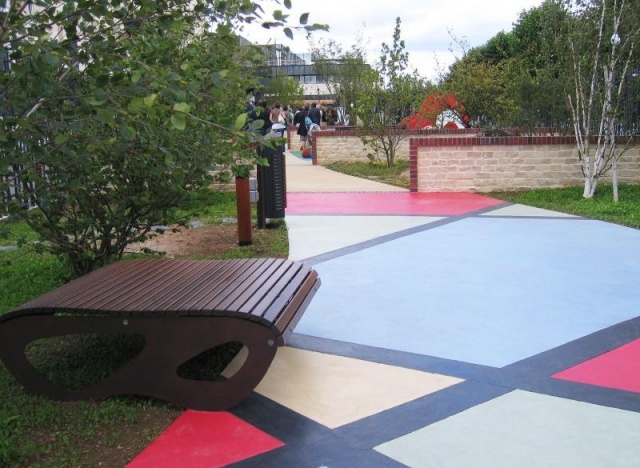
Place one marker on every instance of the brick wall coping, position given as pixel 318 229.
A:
pixel 494 141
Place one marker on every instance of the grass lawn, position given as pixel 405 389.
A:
pixel 35 431
pixel 569 200
pixel 377 171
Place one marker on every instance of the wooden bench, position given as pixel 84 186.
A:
pixel 181 308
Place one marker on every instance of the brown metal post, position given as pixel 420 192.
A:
pixel 243 206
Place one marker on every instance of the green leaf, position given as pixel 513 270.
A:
pixel 135 104
pixel 256 124
pixel 61 139
pixel 128 132
pixel 317 27
pixel 181 107
pixel 304 18
pixel 287 4
pixel 241 120
pixel 179 121
pixel 288 33
pixel 150 100
pixel 135 76
pixel 51 59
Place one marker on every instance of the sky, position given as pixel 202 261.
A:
pixel 427 26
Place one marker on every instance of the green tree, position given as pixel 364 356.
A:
pixel 483 88
pixel 114 110
pixel 538 81
pixel 392 94
pixel 342 71
pixel 283 89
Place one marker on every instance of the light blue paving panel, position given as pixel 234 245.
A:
pixel 525 429
pixel 485 291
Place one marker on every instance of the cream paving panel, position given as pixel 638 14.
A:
pixel 320 179
pixel 524 429
pixel 335 391
pixel 315 235
pixel 524 210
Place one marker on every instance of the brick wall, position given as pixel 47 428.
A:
pixel 466 164
pixel 344 144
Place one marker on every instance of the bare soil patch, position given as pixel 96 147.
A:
pixel 206 241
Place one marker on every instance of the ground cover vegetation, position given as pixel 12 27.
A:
pixel 374 170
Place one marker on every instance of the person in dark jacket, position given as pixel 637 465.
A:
pixel 315 114
pixel 265 117
pixel 298 120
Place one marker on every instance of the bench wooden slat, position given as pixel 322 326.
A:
pixel 125 281
pixel 275 312
pixel 188 286
pixel 261 297
pixel 133 290
pixel 233 286
pixel 193 305
pixel 92 283
pixel 257 285
pixel 290 316
pixel 273 298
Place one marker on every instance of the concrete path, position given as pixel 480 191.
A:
pixel 450 330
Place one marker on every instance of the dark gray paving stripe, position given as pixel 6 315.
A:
pixel 327 256
pixel 420 362
pixel 550 218
pixel 380 240
pixel 307 443
pixel 416 414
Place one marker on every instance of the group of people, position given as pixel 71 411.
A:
pixel 303 118
pixel 277 114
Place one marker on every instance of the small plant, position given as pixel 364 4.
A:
pixel 11 450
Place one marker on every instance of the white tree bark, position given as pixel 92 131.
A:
pixel 599 153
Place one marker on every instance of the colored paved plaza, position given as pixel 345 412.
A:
pixel 451 330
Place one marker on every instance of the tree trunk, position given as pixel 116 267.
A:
pixel 614 182
pixel 590 184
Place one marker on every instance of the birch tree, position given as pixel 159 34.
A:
pixel 602 42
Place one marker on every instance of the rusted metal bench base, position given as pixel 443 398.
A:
pixel 171 339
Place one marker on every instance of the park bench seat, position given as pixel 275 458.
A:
pixel 182 308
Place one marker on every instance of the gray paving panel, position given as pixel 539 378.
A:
pixel 527 211
pixel 524 429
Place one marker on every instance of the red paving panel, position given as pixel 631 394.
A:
pixel 394 203
pixel 202 439
pixel 619 368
